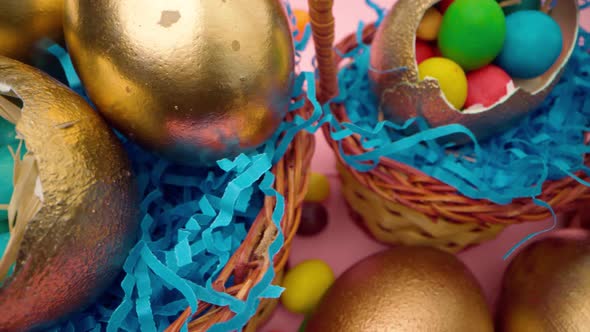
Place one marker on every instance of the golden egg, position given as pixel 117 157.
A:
pixel 402 96
pixel 547 286
pixel 195 81
pixel 24 22
pixel 404 289
pixel 75 203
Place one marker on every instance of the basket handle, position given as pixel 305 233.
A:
pixel 322 26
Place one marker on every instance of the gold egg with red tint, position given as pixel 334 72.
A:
pixel 194 81
pixel 402 96
pixel 74 209
pixel 25 22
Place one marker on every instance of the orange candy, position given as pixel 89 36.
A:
pixel 302 18
pixel 430 24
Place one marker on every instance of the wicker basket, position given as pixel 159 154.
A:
pixel 400 204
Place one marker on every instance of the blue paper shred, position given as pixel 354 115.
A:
pixel 193 220
pixel 546 145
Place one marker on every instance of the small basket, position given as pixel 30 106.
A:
pixel 400 204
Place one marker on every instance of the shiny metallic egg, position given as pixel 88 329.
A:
pixel 25 22
pixel 402 96
pixel 77 214
pixel 194 81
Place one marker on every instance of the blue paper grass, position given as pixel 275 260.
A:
pixel 193 220
pixel 546 145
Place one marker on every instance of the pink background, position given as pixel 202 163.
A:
pixel 343 243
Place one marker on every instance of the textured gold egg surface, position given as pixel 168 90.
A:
pixel 193 80
pixel 74 247
pixel 547 288
pixel 403 97
pixel 24 22
pixel 404 289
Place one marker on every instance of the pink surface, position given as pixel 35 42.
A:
pixel 343 243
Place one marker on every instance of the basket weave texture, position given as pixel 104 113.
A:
pixel 400 204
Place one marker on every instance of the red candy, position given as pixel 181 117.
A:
pixel 486 86
pixel 443 5
pixel 424 51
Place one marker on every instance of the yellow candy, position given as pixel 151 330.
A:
pixel 430 24
pixel 319 188
pixel 305 284
pixel 450 76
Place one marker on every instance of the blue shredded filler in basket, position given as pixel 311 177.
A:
pixel 547 145
pixel 193 221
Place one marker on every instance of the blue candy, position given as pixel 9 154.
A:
pixel 533 43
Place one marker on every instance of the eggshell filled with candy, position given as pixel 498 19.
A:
pixel 402 95
pixel 533 43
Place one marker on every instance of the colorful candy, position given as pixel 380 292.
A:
pixel 424 51
pixel 305 284
pixel 486 86
pixel 450 76
pixel 523 5
pixel 533 43
pixel 302 19
pixel 319 188
pixel 472 32
pixel 314 219
pixel 430 25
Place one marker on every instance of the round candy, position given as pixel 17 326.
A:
pixel 424 51
pixel 486 86
pixel 450 76
pixel 444 5
pixel 533 43
pixel 472 32
pixel 430 24
pixel 319 188
pixel 314 219
pixel 302 19
pixel 524 5
pixel 305 284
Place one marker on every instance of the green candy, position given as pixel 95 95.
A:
pixel 472 32
pixel 7 138
pixel 524 5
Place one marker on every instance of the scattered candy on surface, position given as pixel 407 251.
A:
pixel 314 219
pixel 444 5
pixel 305 284
pixel 486 86
pixel 424 51
pixel 524 5
pixel 430 25
pixel 319 188
pixel 450 76
pixel 472 32
pixel 527 53
pixel 302 19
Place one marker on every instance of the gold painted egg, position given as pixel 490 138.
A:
pixel 24 22
pixel 404 289
pixel 74 207
pixel 195 81
pixel 402 96
pixel 547 286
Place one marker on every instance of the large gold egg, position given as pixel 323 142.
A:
pixel 402 96
pixel 404 289
pixel 24 22
pixel 82 202
pixel 547 287
pixel 192 80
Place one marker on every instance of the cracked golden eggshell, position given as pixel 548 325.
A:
pixel 402 96
pixel 76 244
pixel 404 289
pixel 547 286
pixel 195 81
pixel 24 22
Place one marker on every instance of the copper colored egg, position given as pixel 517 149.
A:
pixel 404 289
pixel 547 286
pixel 195 81
pixel 80 197
pixel 24 22
pixel 402 96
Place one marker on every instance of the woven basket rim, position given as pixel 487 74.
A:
pixel 400 183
